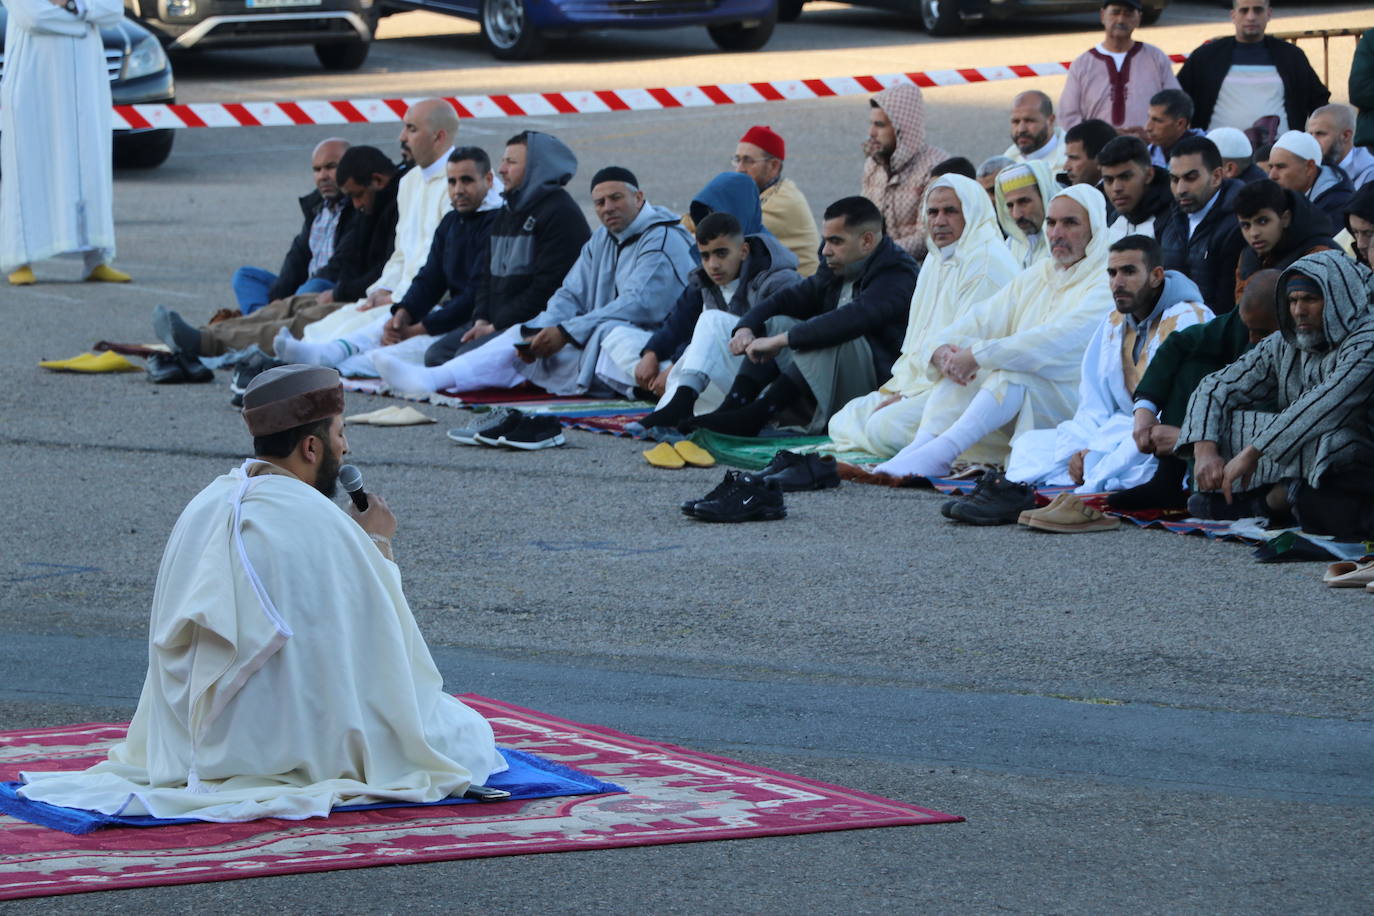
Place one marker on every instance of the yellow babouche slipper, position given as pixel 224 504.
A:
pixel 694 454
pixel 91 362
pixel 104 273
pixel 664 455
pixel 22 276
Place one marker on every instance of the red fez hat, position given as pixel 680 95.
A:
pixel 765 139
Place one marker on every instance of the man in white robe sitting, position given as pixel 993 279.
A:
pixel 965 263
pixel 1012 362
pixel 286 675
pixel 1095 450
pixel 628 276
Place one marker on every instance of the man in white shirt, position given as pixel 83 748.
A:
pixel 1115 80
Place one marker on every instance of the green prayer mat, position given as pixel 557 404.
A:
pixel 753 452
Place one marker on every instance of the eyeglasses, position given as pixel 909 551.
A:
pixel 749 161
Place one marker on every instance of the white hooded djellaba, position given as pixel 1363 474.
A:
pixel 286 674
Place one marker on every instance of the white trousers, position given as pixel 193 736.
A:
pixel 861 427
pixel 620 349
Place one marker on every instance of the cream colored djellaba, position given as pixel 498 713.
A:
pixel 952 280
pixel 56 133
pixel 286 674
pixel 1033 333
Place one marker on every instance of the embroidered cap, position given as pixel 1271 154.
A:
pixel 1015 177
pixel 289 396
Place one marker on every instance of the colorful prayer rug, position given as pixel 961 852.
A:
pixel 675 796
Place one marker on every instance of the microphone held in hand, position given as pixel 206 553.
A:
pixel 351 479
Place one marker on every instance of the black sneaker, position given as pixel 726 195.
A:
pixel 491 435
pixel 245 371
pixel 1000 504
pixel 728 483
pixel 749 500
pixel 780 462
pixel 806 472
pixel 989 481
pixel 490 423
pixel 529 433
pixel 171 369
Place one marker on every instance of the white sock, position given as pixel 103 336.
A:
pixel 411 378
pixel 932 457
pixel 309 352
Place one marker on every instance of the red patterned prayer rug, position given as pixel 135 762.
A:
pixel 675 796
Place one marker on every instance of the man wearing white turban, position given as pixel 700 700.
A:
pixel 1012 362
pixel 965 263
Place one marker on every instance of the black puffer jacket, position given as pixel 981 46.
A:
pixel 1209 258
pixel 1308 231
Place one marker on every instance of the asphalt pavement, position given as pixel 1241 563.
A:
pixel 1131 721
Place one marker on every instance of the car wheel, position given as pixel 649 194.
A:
pixel 790 10
pixel 507 32
pixel 739 37
pixel 343 55
pixel 941 17
pixel 146 150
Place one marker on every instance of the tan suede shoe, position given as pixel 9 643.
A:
pixel 1072 516
pixel 1025 517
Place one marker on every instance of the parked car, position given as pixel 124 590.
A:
pixel 139 73
pixel 949 17
pixel 519 29
pixel 340 30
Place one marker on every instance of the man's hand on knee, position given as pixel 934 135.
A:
pixel 741 341
pixel 479 328
pixel 646 369
pixel 1207 465
pixel 548 342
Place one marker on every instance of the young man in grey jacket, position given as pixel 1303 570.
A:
pixel 628 274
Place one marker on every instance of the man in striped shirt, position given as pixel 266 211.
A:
pixel 1308 460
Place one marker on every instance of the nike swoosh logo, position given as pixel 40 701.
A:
pixel 748 500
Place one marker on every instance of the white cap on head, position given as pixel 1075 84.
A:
pixel 1231 142
pixel 1300 144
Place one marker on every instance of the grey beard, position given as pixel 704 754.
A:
pixel 1310 340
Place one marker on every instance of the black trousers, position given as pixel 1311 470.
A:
pixel 1342 507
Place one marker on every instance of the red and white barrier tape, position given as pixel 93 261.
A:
pixel 533 104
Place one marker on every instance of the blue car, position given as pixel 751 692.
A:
pixel 518 29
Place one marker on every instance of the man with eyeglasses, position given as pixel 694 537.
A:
pixel 760 154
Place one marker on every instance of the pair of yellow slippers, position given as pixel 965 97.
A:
pixel 101 273
pixel 676 455
pixel 91 362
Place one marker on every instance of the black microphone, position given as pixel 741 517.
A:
pixel 352 481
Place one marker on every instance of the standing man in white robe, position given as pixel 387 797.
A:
pixel 1095 450
pixel 1012 362
pixel 965 263
pixel 56 137
pixel 286 675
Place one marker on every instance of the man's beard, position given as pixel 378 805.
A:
pixel 1312 341
pixel 327 479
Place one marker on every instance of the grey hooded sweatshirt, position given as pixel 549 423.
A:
pixel 536 238
pixel 1325 395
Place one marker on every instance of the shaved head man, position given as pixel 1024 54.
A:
pixel 428 131
pixel 1334 128
pixel 306 267
pixel 1035 134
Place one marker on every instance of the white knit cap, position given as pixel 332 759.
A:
pixel 1302 145
pixel 1231 142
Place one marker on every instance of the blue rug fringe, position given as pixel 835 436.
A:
pixel 521 780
